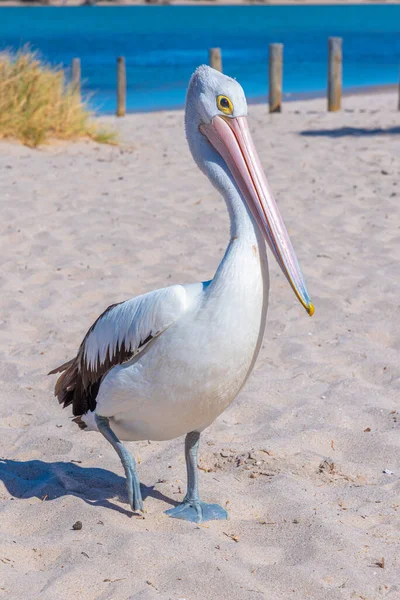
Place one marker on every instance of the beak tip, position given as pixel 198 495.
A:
pixel 310 309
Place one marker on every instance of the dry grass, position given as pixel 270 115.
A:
pixel 36 105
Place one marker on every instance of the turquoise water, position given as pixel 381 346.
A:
pixel 164 44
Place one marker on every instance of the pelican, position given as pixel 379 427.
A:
pixel 169 362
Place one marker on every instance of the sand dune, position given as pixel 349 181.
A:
pixel 298 459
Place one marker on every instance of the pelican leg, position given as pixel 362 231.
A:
pixel 128 462
pixel 192 508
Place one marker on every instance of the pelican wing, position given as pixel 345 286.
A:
pixel 121 332
pixel 125 328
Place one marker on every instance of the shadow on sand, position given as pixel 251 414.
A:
pixel 35 478
pixel 350 131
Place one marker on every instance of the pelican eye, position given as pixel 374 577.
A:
pixel 224 105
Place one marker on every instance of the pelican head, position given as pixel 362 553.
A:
pixel 221 144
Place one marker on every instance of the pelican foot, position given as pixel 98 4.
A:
pixel 198 512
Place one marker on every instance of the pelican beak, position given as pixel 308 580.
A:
pixel 232 140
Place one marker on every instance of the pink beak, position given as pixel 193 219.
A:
pixel 232 140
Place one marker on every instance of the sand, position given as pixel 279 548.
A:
pixel 299 458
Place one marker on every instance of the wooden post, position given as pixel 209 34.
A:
pixel 121 86
pixel 334 73
pixel 215 58
pixel 275 77
pixel 76 74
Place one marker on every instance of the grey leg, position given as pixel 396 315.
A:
pixel 192 508
pixel 128 462
pixel 191 452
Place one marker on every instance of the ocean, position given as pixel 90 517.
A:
pixel 164 44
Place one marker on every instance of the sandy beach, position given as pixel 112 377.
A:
pixel 306 460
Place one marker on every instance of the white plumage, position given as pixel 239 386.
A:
pixel 191 372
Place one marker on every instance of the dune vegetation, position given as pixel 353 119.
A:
pixel 37 104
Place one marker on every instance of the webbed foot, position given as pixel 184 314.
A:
pixel 197 512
